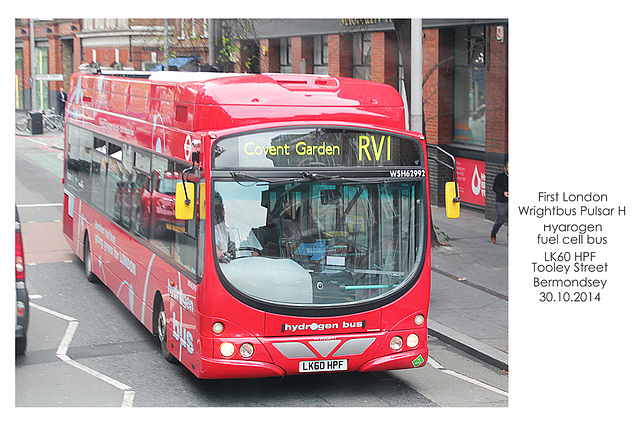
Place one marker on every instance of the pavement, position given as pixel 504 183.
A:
pixel 469 280
pixel 469 286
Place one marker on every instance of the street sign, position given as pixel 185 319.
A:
pixel 500 33
pixel 49 77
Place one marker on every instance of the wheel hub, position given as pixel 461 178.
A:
pixel 162 326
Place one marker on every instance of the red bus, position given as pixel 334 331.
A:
pixel 258 225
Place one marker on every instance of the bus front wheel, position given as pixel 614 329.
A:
pixel 161 330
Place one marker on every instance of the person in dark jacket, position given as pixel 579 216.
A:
pixel 62 101
pixel 501 188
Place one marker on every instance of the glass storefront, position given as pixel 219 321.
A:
pixel 469 87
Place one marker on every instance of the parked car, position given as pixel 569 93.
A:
pixel 22 296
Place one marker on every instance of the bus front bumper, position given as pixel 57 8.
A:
pixel 233 368
pixel 404 360
pixel 222 368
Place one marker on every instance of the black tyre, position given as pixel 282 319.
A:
pixel 88 264
pixel 21 345
pixel 161 332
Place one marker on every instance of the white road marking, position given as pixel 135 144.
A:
pixel 37 141
pixel 439 367
pixel 63 347
pixel 41 205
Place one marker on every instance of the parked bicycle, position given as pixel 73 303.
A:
pixel 24 124
pixel 51 121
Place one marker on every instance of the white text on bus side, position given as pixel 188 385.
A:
pixel 182 335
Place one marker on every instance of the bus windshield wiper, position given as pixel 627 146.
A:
pixel 238 176
pixel 304 176
pixel 311 176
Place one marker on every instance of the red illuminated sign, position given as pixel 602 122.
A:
pixel 471 179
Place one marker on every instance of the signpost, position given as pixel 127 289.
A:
pixel 48 77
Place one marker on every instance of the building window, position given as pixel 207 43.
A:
pixel 321 54
pixel 151 64
pixel 285 55
pixel 193 28
pixel 469 87
pixel 362 56
pixel 183 29
pixel 19 80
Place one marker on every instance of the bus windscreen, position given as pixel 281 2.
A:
pixel 319 242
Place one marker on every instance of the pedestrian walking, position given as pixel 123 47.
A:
pixel 62 101
pixel 501 188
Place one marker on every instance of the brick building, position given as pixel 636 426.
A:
pixel 53 53
pixel 63 45
pixel 465 71
pixel 465 91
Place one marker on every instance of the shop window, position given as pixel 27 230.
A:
pixel 469 87
pixel 362 56
pixel 285 55
pixel 321 54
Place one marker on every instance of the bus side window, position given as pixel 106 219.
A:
pixel 140 195
pixel 98 176
pixel 84 170
pixel 125 188
pixel 117 182
pixel 73 159
pixel 176 238
pixel 78 160
pixel 161 204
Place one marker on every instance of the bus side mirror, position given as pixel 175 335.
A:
pixel 452 203
pixel 185 193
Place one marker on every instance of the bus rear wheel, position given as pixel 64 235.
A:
pixel 88 265
pixel 161 331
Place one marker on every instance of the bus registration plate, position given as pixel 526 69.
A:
pixel 323 365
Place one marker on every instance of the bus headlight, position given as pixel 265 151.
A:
pixel 217 327
pixel 418 320
pixel 246 350
pixel 227 349
pixel 413 340
pixel 396 343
